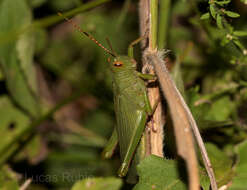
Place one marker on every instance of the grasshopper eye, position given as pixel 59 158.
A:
pixel 118 63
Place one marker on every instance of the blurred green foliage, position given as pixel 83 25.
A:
pixel 56 103
pixel 162 174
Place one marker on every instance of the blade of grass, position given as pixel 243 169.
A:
pixel 164 13
pixel 153 24
pixel 48 21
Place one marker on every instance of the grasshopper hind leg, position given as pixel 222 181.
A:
pixel 140 125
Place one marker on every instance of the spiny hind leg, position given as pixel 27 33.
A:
pixel 151 110
pixel 135 139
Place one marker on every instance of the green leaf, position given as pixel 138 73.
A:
pixel 210 115
pixel 231 14
pixel 239 180
pixel 177 77
pixel 158 173
pixel 41 40
pixel 222 3
pixel 205 16
pixel 238 44
pixel 224 41
pixel 244 1
pixel 75 163
pixel 240 33
pixel 34 151
pixel 16 56
pixel 13 122
pixel 212 10
pixel 25 52
pixel 1 74
pixel 10 185
pixel 204 179
pixel 36 3
pixel 221 164
pixel 63 4
pixel 221 109
pixel 8 179
pixel 110 183
pixel 219 21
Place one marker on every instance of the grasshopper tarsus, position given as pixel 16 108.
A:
pixel 123 170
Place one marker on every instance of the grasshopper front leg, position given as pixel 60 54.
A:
pixel 130 49
pixel 146 76
pixel 149 109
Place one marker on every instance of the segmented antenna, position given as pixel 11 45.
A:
pixel 78 28
pixel 110 45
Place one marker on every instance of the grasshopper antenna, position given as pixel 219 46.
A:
pixel 110 45
pixel 78 28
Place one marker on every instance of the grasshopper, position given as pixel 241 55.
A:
pixel 131 103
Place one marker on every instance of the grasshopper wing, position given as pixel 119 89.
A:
pixel 131 119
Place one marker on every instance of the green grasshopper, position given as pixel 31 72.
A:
pixel 131 103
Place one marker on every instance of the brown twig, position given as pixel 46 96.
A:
pixel 181 123
pixel 154 129
pixel 154 62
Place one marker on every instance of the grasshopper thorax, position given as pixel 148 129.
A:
pixel 121 63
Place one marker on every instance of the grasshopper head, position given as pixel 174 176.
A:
pixel 122 63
